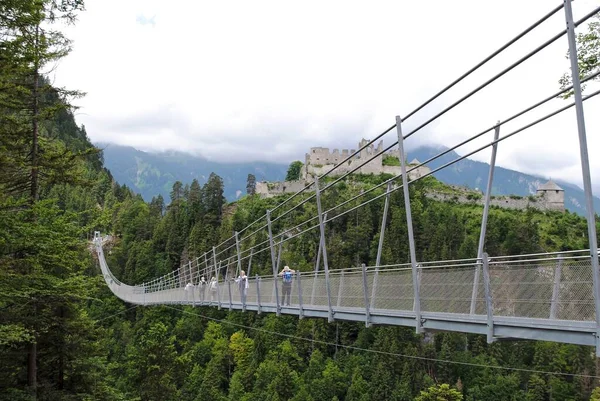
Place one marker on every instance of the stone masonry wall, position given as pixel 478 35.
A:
pixel 270 189
pixel 536 202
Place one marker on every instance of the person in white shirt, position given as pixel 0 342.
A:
pixel 242 282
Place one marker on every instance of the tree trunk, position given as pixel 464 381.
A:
pixel 61 357
pixel 34 196
pixel 35 131
pixel 32 370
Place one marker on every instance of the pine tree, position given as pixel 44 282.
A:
pixel 251 185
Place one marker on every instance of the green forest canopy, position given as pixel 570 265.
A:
pixel 64 336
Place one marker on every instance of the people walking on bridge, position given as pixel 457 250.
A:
pixel 202 289
pixel 213 288
pixel 189 291
pixel 287 275
pixel 242 282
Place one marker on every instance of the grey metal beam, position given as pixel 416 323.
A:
pixel 484 218
pixel 317 265
pixel 556 287
pixel 411 238
pixel 273 261
pixel 340 290
pixel 366 293
pixel 383 224
pixel 298 280
pixel 250 262
pixel 229 287
pixel 279 249
pixel 239 254
pixel 585 164
pixel 257 294
pixel 217 268
pixel 374 289
pixel 488 298
pixel 323 248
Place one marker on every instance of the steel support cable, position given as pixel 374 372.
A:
pixel 519 114
pixel 338 179
pixel 456 81
pixel 458 159
pixel 226 249
pixel 508 135
pixel 354 348
pixel 253 233
pixel 583 251
pixel 503 72
pixel 456 103
pixel 506 70
pixel 369 143
pixel 223 242
pixel 484 61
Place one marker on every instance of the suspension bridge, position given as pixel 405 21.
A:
pixel 546 296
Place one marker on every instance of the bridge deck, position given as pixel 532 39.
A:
pixel 536 299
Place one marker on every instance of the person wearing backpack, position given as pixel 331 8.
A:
pixel 287 275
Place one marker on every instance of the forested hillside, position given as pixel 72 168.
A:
pixel 232 355
pixel 64 336
pixel 151 174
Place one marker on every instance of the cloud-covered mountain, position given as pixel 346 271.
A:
pixel 150 174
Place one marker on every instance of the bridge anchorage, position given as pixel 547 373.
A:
pixel 545 296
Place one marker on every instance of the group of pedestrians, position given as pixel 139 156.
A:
pixel 287 276
pixel 202 286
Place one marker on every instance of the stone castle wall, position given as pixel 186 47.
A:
pixel 270 189
pixel 320 161
pixel 539 201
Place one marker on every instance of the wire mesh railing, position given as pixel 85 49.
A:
pixel 556 286
pixel 560 287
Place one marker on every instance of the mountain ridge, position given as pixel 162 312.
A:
pixel 473 174
pixel 151 174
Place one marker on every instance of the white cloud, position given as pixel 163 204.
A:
pixel 266 80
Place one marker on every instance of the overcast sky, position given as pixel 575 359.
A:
pixel 266 80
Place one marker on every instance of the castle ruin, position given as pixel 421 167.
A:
pixel 319 161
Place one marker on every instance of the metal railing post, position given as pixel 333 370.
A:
pixel 258 294
pixel 242 284
pixel 207 268
pixel 239 253
pixel 585 165
pixel 314 286
pixel 383 224
pixel 250 262
pixel 228 280
pixel 300 306
pixel 488 298
pixel 411 238
pixel 217 268
pixel 323 249
pixel 366 293
pixel 484 219
pixel 279 249
pixel 340 289
pixel 374 289
pixel 556 287
pixel 273 262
